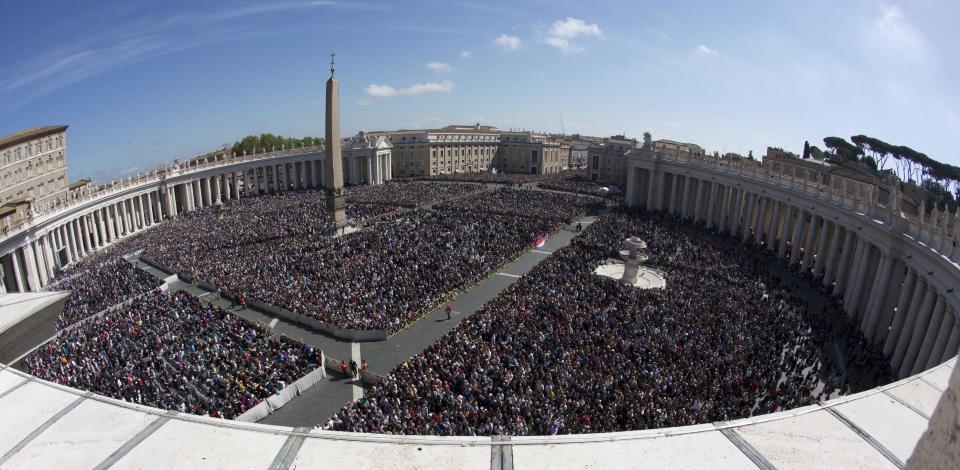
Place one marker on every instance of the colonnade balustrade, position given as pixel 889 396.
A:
pixel 894 270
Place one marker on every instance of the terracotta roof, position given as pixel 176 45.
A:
pixel 29 134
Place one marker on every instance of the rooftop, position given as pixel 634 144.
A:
pixel 29 134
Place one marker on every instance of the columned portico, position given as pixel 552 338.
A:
pixel 890 286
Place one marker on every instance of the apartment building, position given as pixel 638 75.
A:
pixel 33 166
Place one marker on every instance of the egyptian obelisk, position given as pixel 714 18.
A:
pixel 333 185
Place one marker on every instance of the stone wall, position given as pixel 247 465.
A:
pixel 940 445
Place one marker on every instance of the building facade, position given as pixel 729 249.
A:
pixel 33 166
pixel 530 152
pixel 606 160
pixel 469 149
pixel 452 149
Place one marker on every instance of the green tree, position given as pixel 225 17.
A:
pixel 842 148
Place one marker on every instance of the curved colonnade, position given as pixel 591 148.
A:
pixel 881 261
pixel 32 254
pixel 896 273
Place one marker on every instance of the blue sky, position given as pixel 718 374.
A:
pixel 148 81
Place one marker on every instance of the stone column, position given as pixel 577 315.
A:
pixel 118 218
pixel 795 240
pixel 808 241
pixel 674 185
pixel 850 286
pixel 685 197
pixel 876 298
pixel 725 208
pixel 46 249
pixel 42 268
pixel 73 234
pixel 953 344
pixel 698 203
pixel 150 209
pixel 217 191
pixel 846 259
pixel 739 211
pixel 197 195
pixel 940 344
pixel 85 229
pixel 906 333
pixel 68 242
pixel 749 212
pixel 712 198
pixel 929 336
pixel 102 225
pixel 78 238
pixel 235 185
pixel 33 279
pixel 763 222
pixel 18 272
pixel 785 223
pixel 205 191
pixel 919 330
pixel 821 254
pixel 127 217
pixel 140 212
pixel 138 223
pixel 49 253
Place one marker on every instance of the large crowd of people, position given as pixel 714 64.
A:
pixel 527 203
pixel 279 250
pixel 496 178
pixel 169 351
pixel 560 351
pixel 566 351
pixel 408 193
pixel 98 285
pixel 578 184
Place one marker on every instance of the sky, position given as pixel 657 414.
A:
pixel 146 82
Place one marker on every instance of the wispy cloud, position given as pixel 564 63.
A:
pixel 440 67
pixel 562 32
pixel 386 91
pixel 703 50
pixel 466 54
pixel 48 71
pixel 508 42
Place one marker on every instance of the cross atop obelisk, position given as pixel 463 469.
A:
pixel 333 183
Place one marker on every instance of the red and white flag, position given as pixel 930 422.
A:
pixel 541 240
